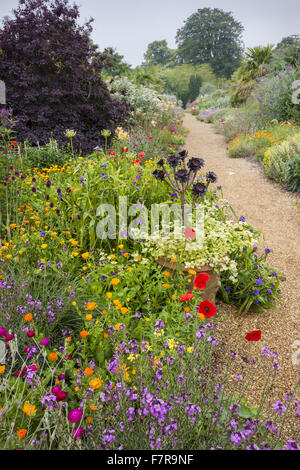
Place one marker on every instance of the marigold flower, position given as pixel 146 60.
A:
pixel 2 369
pixel 89 317
pixel 109 295
pixel 95 383
pixel 115 281
pixel 85 255
pixel 105 335
pixel 166 286
pixel 93 407
pixel 124 310
pixel 91 306
pixel 89 371
pixel 21 433
pixel 29 409
pixel 53 356
pixel 28 317
pixel 84 334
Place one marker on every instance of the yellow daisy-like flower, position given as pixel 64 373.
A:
pixel 109 295
pixel 44 246
pixel 124 310
pixel 85 255
pixel 2 369
pixel 89 317
pixel 115 281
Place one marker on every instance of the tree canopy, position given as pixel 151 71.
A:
pixel 211 36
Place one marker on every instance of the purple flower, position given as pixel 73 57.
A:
pixel 279 407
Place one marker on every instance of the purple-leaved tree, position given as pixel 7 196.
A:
pixel 52 69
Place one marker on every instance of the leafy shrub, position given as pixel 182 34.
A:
pixel 276 158
pixel 256 286
pixel 46 156
pixel 55 84
pixel 292 180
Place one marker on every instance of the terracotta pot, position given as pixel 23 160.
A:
pixel 212 285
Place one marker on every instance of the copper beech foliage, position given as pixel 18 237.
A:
pixel 51 69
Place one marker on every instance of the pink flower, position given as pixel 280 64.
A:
pixel 75 415
pixel 78 433
pixel 2 331
pixel 142 155
pixel 9 337
pixel 61 395
pixel 30 333
pixel 190 233
pixel 150 137
pixel 55 389
pixel 45 341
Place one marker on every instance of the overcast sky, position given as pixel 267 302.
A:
pixel 130 25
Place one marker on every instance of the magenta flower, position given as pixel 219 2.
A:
pixel 45 341
pixel 75 415
pixel 2 331
pixel 78 433
pixel 30 333
pixel 9 337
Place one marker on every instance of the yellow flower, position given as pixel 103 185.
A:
pixel 112 256
pixel 93 407
pixel 29 409
pixel 115 281
pixel 28 317
pixel 44 245
pixel 192 272
pixel 124 310
pixel 84 334
pixel 109 295
pixel 2 369
pixel 166 286
pixel 91 306
pixel 89 317
pixel 74 303
pixel 95 383
pixel 85 255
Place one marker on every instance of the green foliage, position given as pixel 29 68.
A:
pixel 158 53
pixel 255 65
pixel 211 36
pixel 194 86
pixel 257 285
pixel 178 79
pixel 292 180
pixel 114 64
pixel 44 157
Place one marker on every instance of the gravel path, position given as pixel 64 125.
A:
pixel 272 210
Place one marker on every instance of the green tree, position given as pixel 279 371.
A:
pixel 211 36
pixel 194 87
pixel 114 63
pixel 158 53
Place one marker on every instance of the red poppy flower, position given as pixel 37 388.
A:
pixel 14 143
pixel 207 309
pixel 137 161
pixel 201 280
pixel 253 336
pixel 142 155
pixel 124 149
pixel 111 153
pixel 187 296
